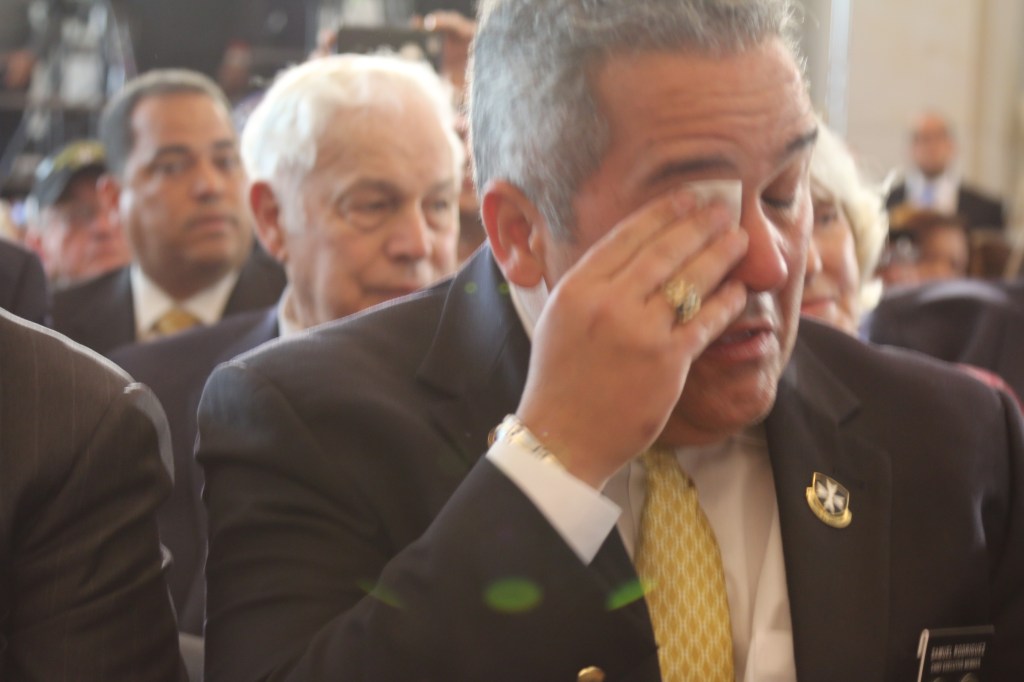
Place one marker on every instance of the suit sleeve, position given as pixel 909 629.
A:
pixel 89 592
pixel 29 296
pixel 318 568
pixel 1008 553
pixel 34 301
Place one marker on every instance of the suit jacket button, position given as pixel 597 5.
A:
pixel 591 674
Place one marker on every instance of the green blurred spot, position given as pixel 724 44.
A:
pixel 625 595
pixel 471 287
pixel 379 593
pixel 504 289
pixel 513 595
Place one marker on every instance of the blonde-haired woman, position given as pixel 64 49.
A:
pixel 850 228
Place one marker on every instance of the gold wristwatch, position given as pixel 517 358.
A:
pixel 512 430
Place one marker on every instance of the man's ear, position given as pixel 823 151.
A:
pixel 516 231
pixel 267 211
pixel 108 192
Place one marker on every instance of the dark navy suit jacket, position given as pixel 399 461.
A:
pixel 977 210
pixel 176 369
pixel 23 288
pixel 356 533
pixel 100 313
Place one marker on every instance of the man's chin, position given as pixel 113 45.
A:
pixel 214 265
pixel 709 413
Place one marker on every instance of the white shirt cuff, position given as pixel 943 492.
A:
pixel 581 515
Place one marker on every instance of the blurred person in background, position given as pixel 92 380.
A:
pixel 847 239
pixel 842 289
pixel 176 187
pixel 9 228
pixel 18 55
pixel 924 245
pixel 356 214
pixel 213 38
pixel 934 181
pixel 74 238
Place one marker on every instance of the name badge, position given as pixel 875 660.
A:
pixel 954 654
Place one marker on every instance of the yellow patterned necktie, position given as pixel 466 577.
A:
pixel 680 565
pixel 173 321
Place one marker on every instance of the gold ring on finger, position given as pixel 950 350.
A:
pixel 683 298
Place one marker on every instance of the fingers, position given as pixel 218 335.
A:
pixel 451 23
pixel 669 238
pixel 616 249
pixel 701 250
pixel 718 311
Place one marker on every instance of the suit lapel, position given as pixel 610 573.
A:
pixel 478 359
pixel 265 329
pixel 838 579
pixel 477 368
pixel 260 283
pixel 118 326
pixel 101 314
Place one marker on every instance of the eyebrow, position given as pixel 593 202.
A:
pixel 219 145
pixel 690 167
pixel 390 187
pixel 172 149
pixel 705 164
pixel 801 142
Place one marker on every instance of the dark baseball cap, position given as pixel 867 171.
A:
pixel 55 172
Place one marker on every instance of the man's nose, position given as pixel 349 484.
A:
pixel 209 179
pixel 764 267
pixel 411 238
pixel 814 265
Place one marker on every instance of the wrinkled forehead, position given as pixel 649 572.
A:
pixel 733 112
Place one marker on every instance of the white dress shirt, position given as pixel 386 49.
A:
pixel 151 302
pixel 287 325
pixel 939 193
pixel 737 493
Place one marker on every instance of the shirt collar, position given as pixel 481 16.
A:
pixel 287 325
pixel 529 304
pixel 151 302
pixel 943 189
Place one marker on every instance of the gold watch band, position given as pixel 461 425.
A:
pixel 513 430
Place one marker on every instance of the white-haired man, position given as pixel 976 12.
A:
pixel 359 530
pixel 355 213
pixel 355 167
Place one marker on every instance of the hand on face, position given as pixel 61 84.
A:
pixel 610 311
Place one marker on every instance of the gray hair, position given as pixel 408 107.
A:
pixel 115 130
pixel 835 177
pixel 281 139
pixel 535 121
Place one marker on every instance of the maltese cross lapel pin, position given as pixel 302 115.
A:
pixel 829 501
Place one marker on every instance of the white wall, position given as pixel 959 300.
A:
pixel 959 57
